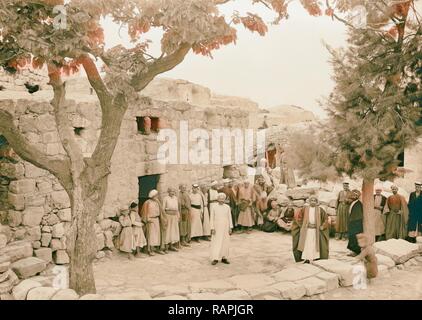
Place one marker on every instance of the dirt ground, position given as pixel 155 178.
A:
pixel 257 252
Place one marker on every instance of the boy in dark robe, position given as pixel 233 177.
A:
pixel 355 225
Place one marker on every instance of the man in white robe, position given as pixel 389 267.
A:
pixel 196 213
pixel 171 209
pixel 221 229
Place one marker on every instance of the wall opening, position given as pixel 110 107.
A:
pixel 146 125
pixel 146 184
pixel 78 130
pixel 400 158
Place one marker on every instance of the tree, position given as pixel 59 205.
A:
pixel 373 109
pixel 32 32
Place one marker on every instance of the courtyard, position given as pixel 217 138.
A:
pixel 255 258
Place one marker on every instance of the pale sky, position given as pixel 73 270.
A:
pixel 287 66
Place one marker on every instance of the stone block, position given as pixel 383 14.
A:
pixel 174 297
pixel 92 296
pixel 16 200
pixel 34 200
pixel 22 186
pixel 28 267
pixel 36 244
pixel 32 171
pixel 52 219
pixel 4 266
pixel 44 187
pixel 65 215
pixel 313 286
pixel 300 193
pixel 203 296
pixel 21 290
pixel 309 268
pixel 264 293
pixel 138 294
pixel 52 149
pixel 290 290
pixel 235 295
pixel 33 233
pixel 3 240
pixel 41 293
pixel 14 218
pixel 386 261
pixel 211 286
pixel 250 281
pixel 343 269
pixel 17 250
pixel 58 230
pixel 45 254
pixel 168 290
pixel 45 239
pixel 32 216
pixel 61 257
pixel 398 249
pixel 60 199
pixel 331 279
pixel 291 274
pixel 65 294
pixel 57 244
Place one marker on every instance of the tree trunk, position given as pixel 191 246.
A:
pixel 368 208
pixel 82 245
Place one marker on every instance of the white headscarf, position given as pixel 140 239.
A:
pixel 152 193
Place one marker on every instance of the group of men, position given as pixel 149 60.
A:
pixel 176 220
pixel 394 217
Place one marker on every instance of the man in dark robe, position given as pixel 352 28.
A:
pixel 313 239
pixel 415 212
pixel 355 225
pixel 342 205
pixel 397 216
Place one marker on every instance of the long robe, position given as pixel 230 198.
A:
pixel 126 240
pixel 321 230
pixel 184 209
pixel 206 220
pixel 246 197
pixel 355 225
pixel 270 220
pixel 171 208
pixel 379 202
pixel 343 205
pixel 396 218
pixel 295 232
pixel 196 212
pixel 221 223
pixel 415 214
pixel 155 222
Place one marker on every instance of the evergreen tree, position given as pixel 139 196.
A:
pixel 375 106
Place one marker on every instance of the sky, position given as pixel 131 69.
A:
pixel 287 66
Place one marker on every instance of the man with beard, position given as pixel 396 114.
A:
pixel 342 205
pixel 314 232
pixel 379 206
pixel 246 197
pixel 171 208
pixel 184 222
pixel 196 213
pixel 355 225
pixel 397 216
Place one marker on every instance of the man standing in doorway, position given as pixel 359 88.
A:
pixel 155 222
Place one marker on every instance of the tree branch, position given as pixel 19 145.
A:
pixel 63 124
pixel 60 168
pixel 141 80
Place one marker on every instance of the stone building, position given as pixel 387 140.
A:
pixel 34 206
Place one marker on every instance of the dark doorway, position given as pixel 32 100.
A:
pixel 146 184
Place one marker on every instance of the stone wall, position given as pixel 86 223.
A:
pixel 35 207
